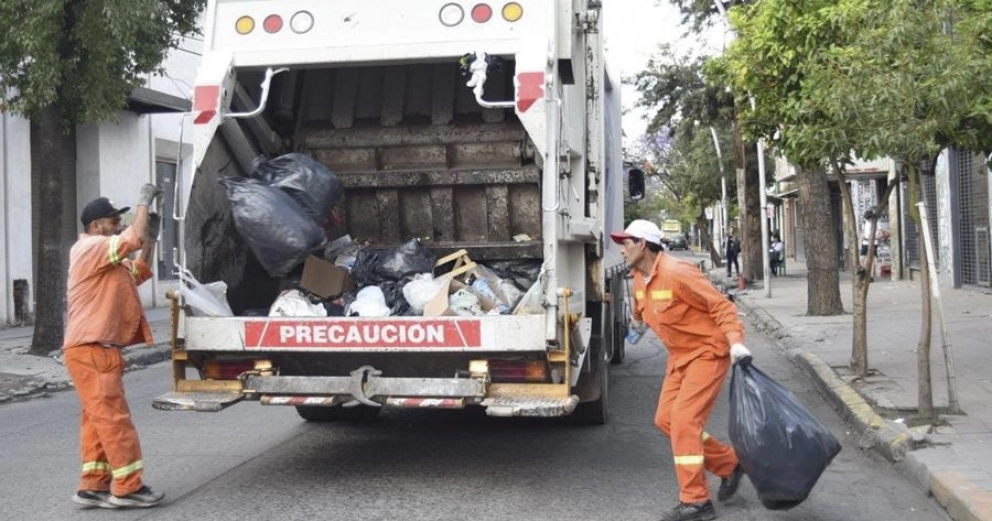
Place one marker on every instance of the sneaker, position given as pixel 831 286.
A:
pixel 93 499
pixel 703 511
pixel 728 485
pixel 141 498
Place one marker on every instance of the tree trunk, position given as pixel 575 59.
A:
pixel 704 238
pixel 823 278
pixel 859 282
pixel 924 380
pixel 750 212
pixel 53 158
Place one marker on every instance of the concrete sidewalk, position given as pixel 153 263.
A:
pixel 950 461
pixel 24 376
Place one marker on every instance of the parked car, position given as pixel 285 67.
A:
pixel 678 242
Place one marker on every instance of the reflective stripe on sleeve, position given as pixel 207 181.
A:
pixel 706 436
pixel 679 460
pixel 112 247
pixel 128 469
pixel 96 466
pixel 661 294
pixel 639 295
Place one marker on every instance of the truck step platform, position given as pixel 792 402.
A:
pixel 196 401
pixel 526 406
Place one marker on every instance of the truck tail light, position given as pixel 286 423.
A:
pixel 272 23
pixel 481 13
pixel 451 15
pixel 518 370
pixel 513 12
pixel 226 369
pixel 244 25
pixel 301 22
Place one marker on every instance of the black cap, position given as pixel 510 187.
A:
pixel 98 209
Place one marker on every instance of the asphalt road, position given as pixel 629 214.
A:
pixel 253 462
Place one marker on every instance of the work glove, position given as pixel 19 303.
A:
pixel 154 226
pixel 739 352
pixel 638 325
pixel 148 194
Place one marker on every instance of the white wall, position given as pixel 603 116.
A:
pixel 15 215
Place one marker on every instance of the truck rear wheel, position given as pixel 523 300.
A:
pixel 594 387
pixel 357 414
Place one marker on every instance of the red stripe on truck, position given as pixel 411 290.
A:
pixel 290 334
pixel 205 100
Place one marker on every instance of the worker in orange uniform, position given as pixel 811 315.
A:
pixel 106 315
pixel 702 332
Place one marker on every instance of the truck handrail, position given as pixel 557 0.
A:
pixel 478 81
pixel 263 99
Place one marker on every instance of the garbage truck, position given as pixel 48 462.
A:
pixel 485 129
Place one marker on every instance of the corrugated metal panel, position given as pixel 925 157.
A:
pixel 973 197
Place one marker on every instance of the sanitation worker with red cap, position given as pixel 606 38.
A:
pixel 106 315
pixel 703 334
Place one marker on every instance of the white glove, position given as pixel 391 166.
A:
pixel 738 352
pixel 148 194
pixel 638 325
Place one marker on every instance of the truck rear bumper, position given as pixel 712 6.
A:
pixel 366 386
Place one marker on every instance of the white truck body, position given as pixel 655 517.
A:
pixel 529 170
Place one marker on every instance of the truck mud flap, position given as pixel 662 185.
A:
pixel 526 406
pixel 200 401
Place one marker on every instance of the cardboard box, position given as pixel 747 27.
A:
pixel 324 279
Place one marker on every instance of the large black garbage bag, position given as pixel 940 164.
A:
pixel 305 179
pixel 373 267
pixel 277 230
pixel 781 445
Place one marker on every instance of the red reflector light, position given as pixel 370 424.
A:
pixel 225 369
pixel 272 23
pixel 518 370
pixel 481 13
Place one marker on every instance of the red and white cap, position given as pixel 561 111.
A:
pixel 639 229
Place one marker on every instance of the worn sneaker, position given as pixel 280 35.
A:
pixel 728 485
pixel 142 498
pixel 93 499
pixel 691 512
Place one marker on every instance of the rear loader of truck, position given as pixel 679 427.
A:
pixel 524 165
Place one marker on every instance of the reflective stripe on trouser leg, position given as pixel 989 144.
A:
pixel 695 392
pixel 107 432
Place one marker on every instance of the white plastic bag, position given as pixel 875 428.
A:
pixel 532 302
pixel 465 303
pixel 369 302
pixel 293 303
pixel 205 300
pixel 419 291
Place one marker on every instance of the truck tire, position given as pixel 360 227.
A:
pixel 357 414
pixel 594 388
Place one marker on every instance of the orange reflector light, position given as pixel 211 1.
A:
pixel 272 23
pixel 451 15
pixel 244 25
pixel 513 12
pixel 481 13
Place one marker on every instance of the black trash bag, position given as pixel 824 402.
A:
pixel 523 273
pixel 277 230
pixel 305 179
pixel 783 448
pixel 373 267
pixel 393 291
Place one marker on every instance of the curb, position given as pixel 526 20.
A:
pixel 134 358
pixel 953 490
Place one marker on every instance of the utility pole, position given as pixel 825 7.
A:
pixel 724 219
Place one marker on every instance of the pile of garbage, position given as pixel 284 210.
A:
pixel 283 210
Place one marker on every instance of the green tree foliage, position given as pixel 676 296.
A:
pixel 64 62
pixel 85 55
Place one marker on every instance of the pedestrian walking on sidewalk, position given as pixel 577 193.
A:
pixel 105 315
pixel 732 248
pixel 776 252
pixel 703 334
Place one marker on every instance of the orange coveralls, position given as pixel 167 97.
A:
pixel 105 314
pixel 697 325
